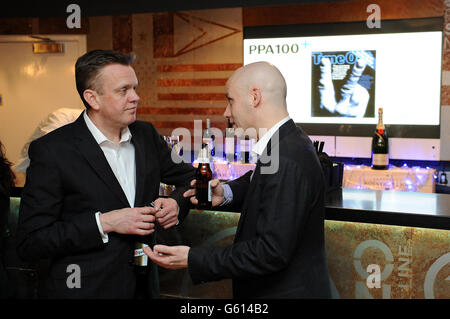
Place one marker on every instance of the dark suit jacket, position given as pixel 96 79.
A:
pixel 68 181
pixel 279 249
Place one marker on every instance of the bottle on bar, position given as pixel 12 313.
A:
pixel 380 145
pixel 245 149
pixel 208 138
pixel 203 178
pixel 230 143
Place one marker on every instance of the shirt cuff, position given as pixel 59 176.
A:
pixel 105 237
pixel 228 194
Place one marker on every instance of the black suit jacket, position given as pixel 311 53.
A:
pixel 279 249
pixel 68 181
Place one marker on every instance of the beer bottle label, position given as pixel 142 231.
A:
pixel 380 159
pixel 209 192
pixel 140 258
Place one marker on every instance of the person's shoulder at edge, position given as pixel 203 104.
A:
pixel 58 135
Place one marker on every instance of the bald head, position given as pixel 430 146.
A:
pixel 256 95
pixel 265 77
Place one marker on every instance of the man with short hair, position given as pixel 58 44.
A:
pixel 89 184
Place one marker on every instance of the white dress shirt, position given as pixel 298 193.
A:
pixel 258 148
pixel 121 159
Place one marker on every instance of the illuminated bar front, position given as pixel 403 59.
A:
pixel 406 234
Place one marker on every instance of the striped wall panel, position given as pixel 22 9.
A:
pixel 183 62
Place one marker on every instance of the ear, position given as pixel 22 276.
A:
pixel 92 98
pixel 255 95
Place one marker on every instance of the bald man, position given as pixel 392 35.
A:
pixel 279 249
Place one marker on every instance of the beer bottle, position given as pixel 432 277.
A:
pixel 203 178
pixel 208 138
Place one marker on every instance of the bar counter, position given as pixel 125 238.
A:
pixel 406 234
pixel 427 210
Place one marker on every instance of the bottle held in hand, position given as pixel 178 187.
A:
pixel 203 178
pixel 140 258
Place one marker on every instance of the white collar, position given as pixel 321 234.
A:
pixel 99 136
pixel 259 147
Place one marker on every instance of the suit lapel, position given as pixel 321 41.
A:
pixel 96 159
pixel 248 197
pixel 140 168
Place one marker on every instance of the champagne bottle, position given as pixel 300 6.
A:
pixel 203 178
pixel 380 145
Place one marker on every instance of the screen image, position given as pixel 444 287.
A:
pixel 344 79
pixel 343 84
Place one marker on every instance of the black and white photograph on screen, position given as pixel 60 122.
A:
pixel 343 84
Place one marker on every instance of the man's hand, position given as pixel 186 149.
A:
pixel 175 257
pixel 136 221
pixel 216 189
pixel 166 212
